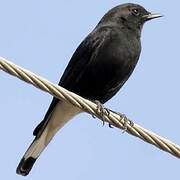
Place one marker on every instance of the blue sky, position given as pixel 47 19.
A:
pixel 42 36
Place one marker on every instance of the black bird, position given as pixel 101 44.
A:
pixel 97 70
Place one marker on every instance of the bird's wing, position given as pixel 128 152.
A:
pixel 82 57
pixel 75 69
pixel 44 122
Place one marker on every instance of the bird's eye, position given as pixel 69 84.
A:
pixel 135 12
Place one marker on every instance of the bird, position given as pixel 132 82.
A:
pixel 99 67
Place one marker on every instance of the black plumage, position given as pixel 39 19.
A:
pixel 98 69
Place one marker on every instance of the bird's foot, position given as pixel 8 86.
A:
pixel 102 111
pixel 125 122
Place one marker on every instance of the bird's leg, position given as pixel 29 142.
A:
pixel 102 110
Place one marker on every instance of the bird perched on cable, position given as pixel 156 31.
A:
pixel 97 70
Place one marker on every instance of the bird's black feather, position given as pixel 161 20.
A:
pixel 100 66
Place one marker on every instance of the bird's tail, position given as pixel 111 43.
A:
pixel 33 152
pixel 61 114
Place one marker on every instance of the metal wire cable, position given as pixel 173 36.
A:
pixel 115 119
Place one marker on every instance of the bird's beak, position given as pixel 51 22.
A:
pixel 152 16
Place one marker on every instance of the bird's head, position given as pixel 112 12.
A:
pixel 132 16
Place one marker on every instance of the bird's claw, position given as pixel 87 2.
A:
pixel 125 122
pixel 102 111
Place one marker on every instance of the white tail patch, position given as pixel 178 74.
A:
pixel 62 113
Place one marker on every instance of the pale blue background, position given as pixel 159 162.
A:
pixel 41 36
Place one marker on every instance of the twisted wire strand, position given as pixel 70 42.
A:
pixel 115 119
